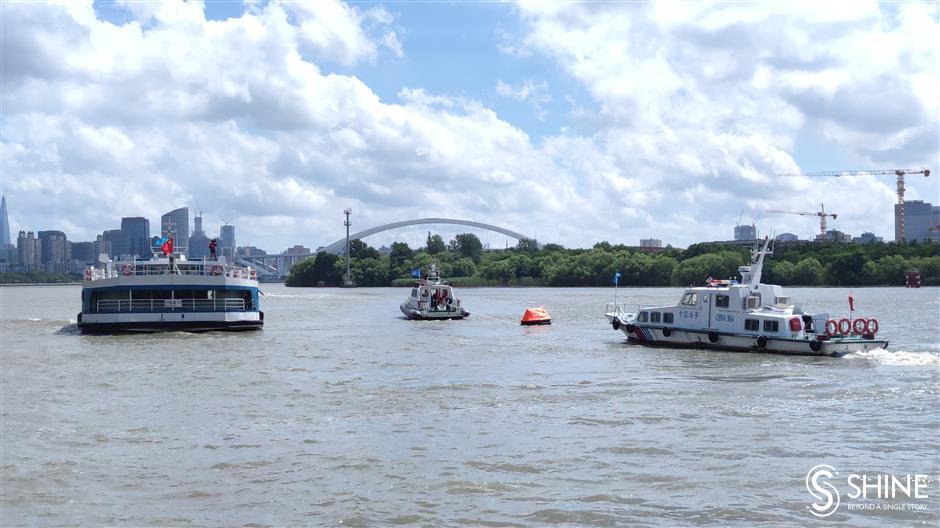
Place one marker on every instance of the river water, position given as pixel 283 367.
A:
pixel 342 412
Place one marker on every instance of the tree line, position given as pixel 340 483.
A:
pixel 463 261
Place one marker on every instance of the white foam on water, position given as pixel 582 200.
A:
pixel 898 357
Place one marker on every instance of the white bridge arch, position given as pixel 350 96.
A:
pixel 338 247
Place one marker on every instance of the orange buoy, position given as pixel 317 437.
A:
pixel 536 316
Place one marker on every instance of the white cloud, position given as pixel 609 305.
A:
pixel 696 109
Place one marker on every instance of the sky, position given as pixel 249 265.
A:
pixel 569 122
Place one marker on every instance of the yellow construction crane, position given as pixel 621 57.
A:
pixel 822 214
pixel 900 173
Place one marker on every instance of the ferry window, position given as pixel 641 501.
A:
pixel 782 300
pixel 654 317
pixel 722 301
pixel 667 317
pixel 690 299
pixel 771 326
pixel 643 317
pixel 752 324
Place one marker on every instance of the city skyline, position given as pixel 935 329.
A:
pixel 622 120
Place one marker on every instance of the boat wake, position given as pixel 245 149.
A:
pixel 899 357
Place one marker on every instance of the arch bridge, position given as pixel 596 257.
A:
pixel 338 247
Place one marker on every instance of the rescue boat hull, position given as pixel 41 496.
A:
pixel 432 315
pixel 704 339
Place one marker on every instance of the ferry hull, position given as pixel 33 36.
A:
pixel 97 324
pixel 703 339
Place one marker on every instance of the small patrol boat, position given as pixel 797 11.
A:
pixel 432 298
pixel 745 317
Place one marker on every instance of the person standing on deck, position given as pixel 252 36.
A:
pixel 212 245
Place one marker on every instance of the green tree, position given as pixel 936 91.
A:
pixel 808 272
pixel 468 245
pixel 783 272
pixel 527 244
pixel 360 250
pixel 321 270
pixel 435 244
pixel 400 254
pixel 891 269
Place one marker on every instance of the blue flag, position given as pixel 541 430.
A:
pixel 416 273
pixel 616 278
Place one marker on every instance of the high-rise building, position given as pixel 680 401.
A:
pixel 786 237
pixel 55 251
pixel 921 220
pixel 4 224
pixel 745 232
pixel 102 247
pixel 84 252
pixel 199 242
pixel 136 234
pixel 651 243
pixel 29 252
pixel 116 242
pixel 227 242
pixel 176 222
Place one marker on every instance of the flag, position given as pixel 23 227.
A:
pixel 616 278
pixel 416 273
pixel 167 246
pixel 851 302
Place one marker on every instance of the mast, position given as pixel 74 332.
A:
pixel 757 263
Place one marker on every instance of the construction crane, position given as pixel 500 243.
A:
pixel 900 173
pixel 822 214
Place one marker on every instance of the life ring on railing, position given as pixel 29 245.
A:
pixel 871 327
pixel 859 325
pixel 845 326
pixel 832 327
pixel 127 269
pixel 88 274
pixel 216 270
pixel 254 275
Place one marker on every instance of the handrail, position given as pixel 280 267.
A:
pixel 202 269
pixel 172 305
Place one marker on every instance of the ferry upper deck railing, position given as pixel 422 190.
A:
pixel 164 305
pixel 150 268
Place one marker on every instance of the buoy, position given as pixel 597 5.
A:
pixel 536 316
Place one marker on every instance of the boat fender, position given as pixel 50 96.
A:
pixel 871 327
pixel 630 328
pixel 845 326
pixel 667 332
pixel 761 341
pixel 713 336
pixel 815 345
pixel 832 327
pixel 859 325
pixel 615 323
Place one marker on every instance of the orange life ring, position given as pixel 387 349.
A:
pixel 216 270
pixel 88 274
pixel 832 328
pixel 871 327
pixel 845 326
pixel 254 274
pixel 859 325
pixel 127 269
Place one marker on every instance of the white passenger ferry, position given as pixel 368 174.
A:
pixel 431 298
pixel 169 293
pixel 745 316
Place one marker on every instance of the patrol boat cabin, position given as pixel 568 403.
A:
pixel 745 316
pixel 169 293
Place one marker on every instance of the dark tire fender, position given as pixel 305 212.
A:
pixel 762 342
pixel 667 332
pixel 815 345
pixel 713 337
pixel 615 323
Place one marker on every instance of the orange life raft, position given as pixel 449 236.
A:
pixel 536 316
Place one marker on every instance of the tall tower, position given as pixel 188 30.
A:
pixel 177 222
pixel 227 241
pixel 4 224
